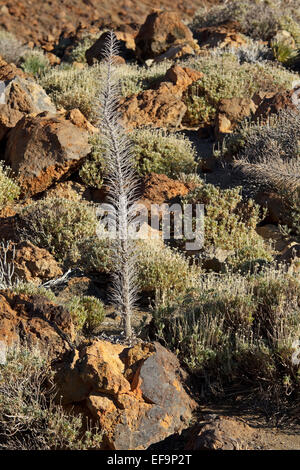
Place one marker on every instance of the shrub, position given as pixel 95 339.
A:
pixel 268 156
pixel 159 152
pixel 237 332
pixel 29 419
pixel 92 170
pixel 87 312
pixel 71 88
pixel 57 224
pixel 77 53
pixel 11 49
pixel 91 254
pixel 154 151
pixel 9 189
pixel 163 270
pixel 252 52
pixel 135 79
pixel 260 19
pixel 230 223
pixel 33 289
pixel 224 77
pixel 35 62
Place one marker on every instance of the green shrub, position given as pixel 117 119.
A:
pixel 92 170
pixel 9 189
pixel 57 224
pixel 163 270
pixel 225 77
pixel 237 332
pixel 77 54
pixel 159 152
pixel 29 418
pixel 154 151
pixel 33 289
pixel 87 312
pixel 135 78
pixel 71 88
pixel 230 223
pixel 35 62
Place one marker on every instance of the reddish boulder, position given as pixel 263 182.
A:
pixel 230 112
pixel 162 106
pixel 79 120
pixel 19 95
pixel 161 30
pixel 33 264
pixel 158 108
pixel 158 188
pixel 274 104
pixel 35 321
pixel 182 77
pixel 219 36
pixel 9 117
pixel 136 394
pixel 9 71
pixel 41 149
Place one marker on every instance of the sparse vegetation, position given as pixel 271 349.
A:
pixel 11 49
pixel 259 19
pixel 29 417
pixel 225 77
pixel 57 224
pixel 229 310
pixel 237 331
pixel 87 312
pixel 9 189
pixel 35 62
pixel 230 223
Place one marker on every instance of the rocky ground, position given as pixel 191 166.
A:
pixel 211 102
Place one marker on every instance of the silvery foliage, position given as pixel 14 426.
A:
pixel 6 267
pixel 11 49
pixel 250 53
pixel 122 182
pixel 271 154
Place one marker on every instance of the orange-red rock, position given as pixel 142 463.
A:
pixel 135 393
pixel 41 149
pixel 161 30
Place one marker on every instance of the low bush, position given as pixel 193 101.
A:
pixel 29 418
pixel 268 156
pixel 93 169
pixel 230 224
pixel 87 312
pixel 159 152
pixel 57 224
pixel 9 189
pixel 35 62
pixel 164 271
pixel 225 77
pixel 259 19
pixel 153 151
pixel 11 49
pixel 70 88
pixel 238 332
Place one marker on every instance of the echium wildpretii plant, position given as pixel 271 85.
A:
pixel 123 187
